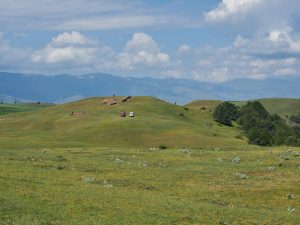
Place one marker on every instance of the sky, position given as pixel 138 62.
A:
pixel 204 40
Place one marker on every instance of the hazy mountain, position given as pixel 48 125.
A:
pixel 63 88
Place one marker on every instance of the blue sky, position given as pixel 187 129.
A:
pixel 206 40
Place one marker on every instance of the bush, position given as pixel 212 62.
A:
pixel 226 112
pixel 162 147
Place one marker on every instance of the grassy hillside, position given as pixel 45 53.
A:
pixel 208 104
pixel 281 106
pixel 21 107
pixel 94 124
pixel 93 167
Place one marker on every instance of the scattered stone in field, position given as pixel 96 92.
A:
pixel 107 184
pixel 240 176
pixel 289 154
pixel 162 164
pixel 220 159
pixel 291 209
pixel 35 158
pixel 236 160
pixel 217 149
pixel 272 168
pixel 285 156
pixel 290 196
pixel 119 161
pixel 224 223
pixel 153 149
pixel 144 164
pixel 188 152
pixel 88 179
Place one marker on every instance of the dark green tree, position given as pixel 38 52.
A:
pixel 226 112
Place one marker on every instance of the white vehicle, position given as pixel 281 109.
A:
pixel 131 114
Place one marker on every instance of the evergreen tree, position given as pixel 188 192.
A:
pixel 226 112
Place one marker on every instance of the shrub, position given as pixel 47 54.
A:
pixel 162 147
pixel 226 112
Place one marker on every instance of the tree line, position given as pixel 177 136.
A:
pixel 259 125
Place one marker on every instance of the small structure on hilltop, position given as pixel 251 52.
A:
pixel 122 114
pixel 126 99
pixel 109 101
pixel 131 114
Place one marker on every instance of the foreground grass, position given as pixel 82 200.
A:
pixel 149 186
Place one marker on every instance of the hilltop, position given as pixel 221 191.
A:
pixel 281 106
pixel 93 123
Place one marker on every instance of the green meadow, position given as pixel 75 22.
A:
pixel 8 108
pixel 167 165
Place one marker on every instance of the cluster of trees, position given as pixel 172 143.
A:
pixel 295 119
pixel 260 126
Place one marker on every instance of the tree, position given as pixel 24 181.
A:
pixel 226 112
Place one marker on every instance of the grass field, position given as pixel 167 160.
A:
pixel 21 107
pixel 143 186
pixel 97 168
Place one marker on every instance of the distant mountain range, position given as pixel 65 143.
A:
pixel 65 88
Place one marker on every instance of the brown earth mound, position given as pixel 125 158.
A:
pixel 109 101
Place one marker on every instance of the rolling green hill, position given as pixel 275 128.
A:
pixel 81 163
pixel 281 106
pixel 21 107
pixel 94 123
pixel 207 104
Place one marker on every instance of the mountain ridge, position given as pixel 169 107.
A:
pixel 65 88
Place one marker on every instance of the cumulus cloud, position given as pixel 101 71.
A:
pixel 271 55
pixel 234 9
pixel 142 50
pixel 73 48
pixel 183 49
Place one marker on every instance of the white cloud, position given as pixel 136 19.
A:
pixel 112 22
pixel 11 58
pixel 183 49
pixel 258 57
pixel 234 9
pixel 80 15
pixel 285 38
pixel 142 50
pixel 73 49
pixel 286 71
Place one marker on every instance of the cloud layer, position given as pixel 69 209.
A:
pixel 262 44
